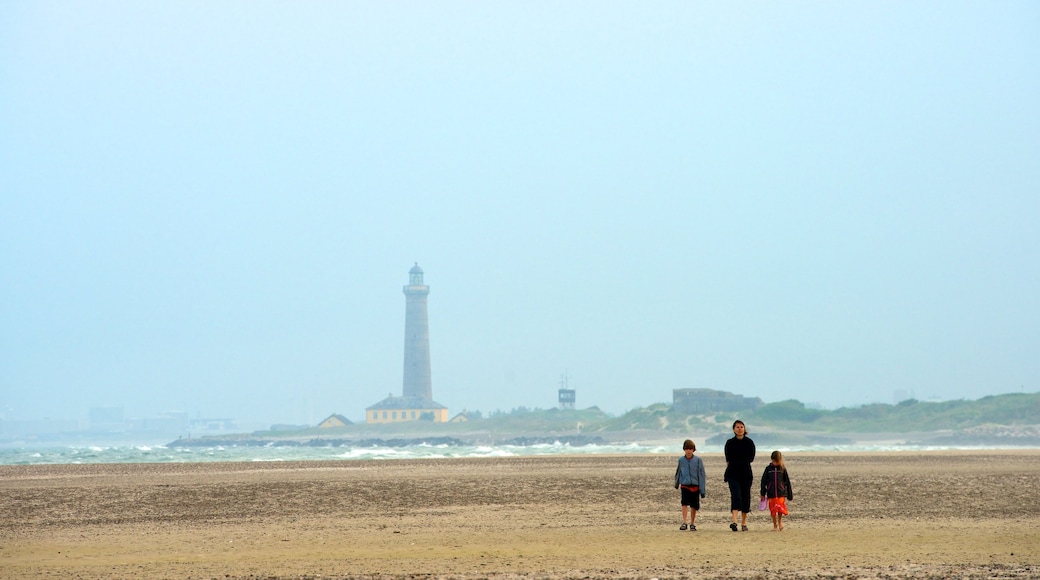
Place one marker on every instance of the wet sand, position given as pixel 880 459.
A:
pixel 860 515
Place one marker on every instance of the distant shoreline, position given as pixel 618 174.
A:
pixel 366 437
pixel 1011 437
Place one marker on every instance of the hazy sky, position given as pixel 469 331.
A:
pixel 212 207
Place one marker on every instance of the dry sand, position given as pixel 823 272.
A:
pixel 885 515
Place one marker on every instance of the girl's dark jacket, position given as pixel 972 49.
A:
pixel 775 482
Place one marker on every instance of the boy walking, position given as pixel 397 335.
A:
pixel 690 478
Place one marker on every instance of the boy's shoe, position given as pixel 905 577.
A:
pixel 682 527
pixel 733 526
pixel 693 528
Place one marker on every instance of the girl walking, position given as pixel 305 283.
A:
pixel 776 487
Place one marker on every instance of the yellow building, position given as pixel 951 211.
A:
pixel 334 420
pixel 401 409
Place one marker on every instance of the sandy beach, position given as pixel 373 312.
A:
pixel 886 515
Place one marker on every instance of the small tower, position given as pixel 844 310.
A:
pixel 567 395
pixel 417 382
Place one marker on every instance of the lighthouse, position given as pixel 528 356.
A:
pixel 416 401
pixel 417 382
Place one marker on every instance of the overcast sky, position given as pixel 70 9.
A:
pixel 212 207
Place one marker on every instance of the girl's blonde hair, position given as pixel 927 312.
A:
pixel 778 458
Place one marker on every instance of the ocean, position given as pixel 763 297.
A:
pixel 159 453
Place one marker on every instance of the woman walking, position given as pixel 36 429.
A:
pixel 740 452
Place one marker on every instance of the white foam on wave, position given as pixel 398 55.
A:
pixel 499 453
pixel 150 453
pixel 372 453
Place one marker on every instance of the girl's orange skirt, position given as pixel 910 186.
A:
pixel 777 505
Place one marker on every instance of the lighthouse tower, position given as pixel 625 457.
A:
pixel 417 381
pixel 416 402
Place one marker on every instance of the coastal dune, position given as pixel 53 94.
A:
pixel 970 514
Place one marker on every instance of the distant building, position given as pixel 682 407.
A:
pixel 460 418
pixel 102 416
pixel 400 409
pixel 567 398
pixel 39 428
pixel 417 402
pixel 566 395
pixel 334 420
pixel 107 420
pixel 174 422
pixel 703 401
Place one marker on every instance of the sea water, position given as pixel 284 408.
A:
pixel 159 453
pixel 128 453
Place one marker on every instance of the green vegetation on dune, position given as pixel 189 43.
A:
pixel 656 417
pixel 909 415
pixel 1011 410
pixel 538 420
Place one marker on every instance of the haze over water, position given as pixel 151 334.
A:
pixel 211 209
